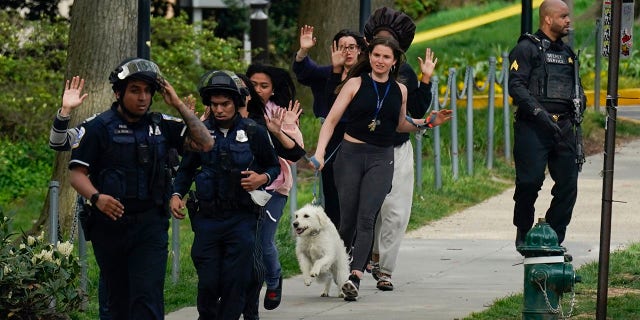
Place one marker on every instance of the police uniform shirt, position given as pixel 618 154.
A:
pixel 244 151
pixel 532 84
pixel 94 147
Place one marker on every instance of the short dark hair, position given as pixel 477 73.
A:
pixel 349 33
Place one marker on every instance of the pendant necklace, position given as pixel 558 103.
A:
pixel 374 121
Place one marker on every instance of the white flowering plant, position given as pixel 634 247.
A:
pixel 37 280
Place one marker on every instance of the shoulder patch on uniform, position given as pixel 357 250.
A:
pixel 514 65
pixel 170 118
pixel 90 118
pixel 76 143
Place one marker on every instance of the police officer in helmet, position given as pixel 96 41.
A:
pixel 118 163
pixel 544 84
pixel 223 212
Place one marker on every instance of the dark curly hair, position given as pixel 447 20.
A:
pixel 284 90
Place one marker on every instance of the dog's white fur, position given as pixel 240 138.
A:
pixel 319 249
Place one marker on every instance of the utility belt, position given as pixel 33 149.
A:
pixel 90 217
pixel 556 117
pixel 219 209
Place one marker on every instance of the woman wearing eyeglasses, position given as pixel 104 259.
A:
pixel 346 49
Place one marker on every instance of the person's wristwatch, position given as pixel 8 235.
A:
pixel 94 198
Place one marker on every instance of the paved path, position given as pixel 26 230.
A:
pixel 460 264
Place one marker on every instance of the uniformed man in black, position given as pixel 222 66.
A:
pixel 227 180
pixel 118 162
pixel 542 83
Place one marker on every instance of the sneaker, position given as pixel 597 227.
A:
pixel 350 288
pixel 273 297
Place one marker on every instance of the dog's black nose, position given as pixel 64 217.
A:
pixel 295 224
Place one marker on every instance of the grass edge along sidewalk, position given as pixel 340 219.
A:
pixel 623 293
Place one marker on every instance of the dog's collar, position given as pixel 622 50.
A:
pixel 314 233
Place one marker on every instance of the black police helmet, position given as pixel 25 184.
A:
pixel 138 69
pixel 223 82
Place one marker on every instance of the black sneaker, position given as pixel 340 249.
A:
pixel 273 297
pixel 350 288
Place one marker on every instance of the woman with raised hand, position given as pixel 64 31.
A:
pixel 373 104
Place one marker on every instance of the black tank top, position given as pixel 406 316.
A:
pixel 362 109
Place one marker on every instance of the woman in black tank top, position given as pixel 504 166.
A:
pixel 376 105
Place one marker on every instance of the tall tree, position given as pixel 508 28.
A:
pixel 102 34
pixel 328 17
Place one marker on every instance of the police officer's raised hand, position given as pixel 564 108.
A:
pixel 252 180
pixel 72 96
pixel 177 207
pixel 110 206
pixel 544 119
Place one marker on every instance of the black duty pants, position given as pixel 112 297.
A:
pixel 534 150
pixel 132 256
pixel 222 254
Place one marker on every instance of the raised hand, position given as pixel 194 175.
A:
pixel 427 65
pixel 307 40
pixel 441 116
pixel 292 113
pixel 275 119
pixel 337 57
pixel 72 96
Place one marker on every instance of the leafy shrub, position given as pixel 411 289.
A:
pixel 37 280
pixel 32 62
pixel 23 165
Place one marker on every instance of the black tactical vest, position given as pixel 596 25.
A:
pixel 552 75
pixel 132 168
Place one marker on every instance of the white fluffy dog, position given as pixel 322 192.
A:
pixel 319 249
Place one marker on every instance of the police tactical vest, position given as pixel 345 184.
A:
pixel 552 75
pixel 133 164
pixel 218 180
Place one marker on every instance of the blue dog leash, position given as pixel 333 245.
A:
pixel 316 164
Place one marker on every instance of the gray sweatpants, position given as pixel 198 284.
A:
pixel 393 219
pixel 363 174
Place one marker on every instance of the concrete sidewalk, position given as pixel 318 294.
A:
pixel 462 263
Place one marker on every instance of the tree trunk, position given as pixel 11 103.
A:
pixel 328 17
pixel 102 34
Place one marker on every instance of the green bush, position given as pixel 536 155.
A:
pixel 184 54
pixel 37 280
pixel 32 62
pixel 23 166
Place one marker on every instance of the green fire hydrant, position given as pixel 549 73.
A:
pixel 548 274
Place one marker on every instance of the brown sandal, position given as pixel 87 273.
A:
pixel 384 282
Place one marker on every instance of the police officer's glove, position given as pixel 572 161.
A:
pixel 544 119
